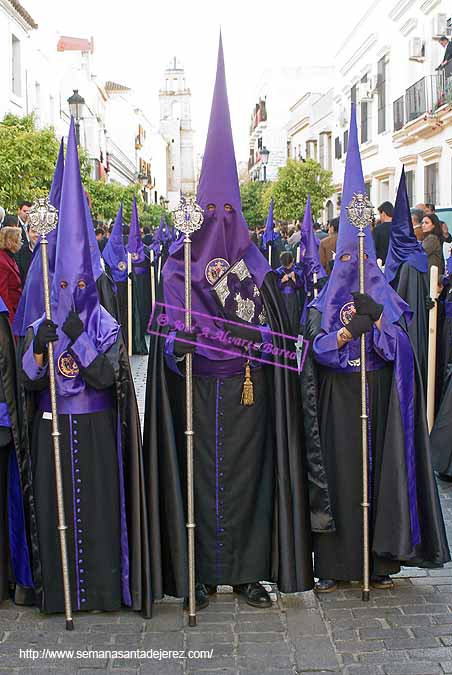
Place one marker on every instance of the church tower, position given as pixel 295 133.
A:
pixel 176 129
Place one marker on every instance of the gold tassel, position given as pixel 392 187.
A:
pixel 248 389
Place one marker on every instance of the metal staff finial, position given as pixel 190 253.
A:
pixel 44 219
pixel 360 213
pixel 188 218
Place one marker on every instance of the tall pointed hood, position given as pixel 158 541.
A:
pixel 224 237
pixel 403 245
pixel 74 286
pixel 309 248
pixel 114 252
pixel 31 304
pixel 135 244
pixel 159 238
pixel 218 182
pixel 93 245
pixel 344 278
pixel 269 232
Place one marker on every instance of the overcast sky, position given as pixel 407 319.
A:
pixel 135 39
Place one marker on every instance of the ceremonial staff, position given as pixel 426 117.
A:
pixel 44 218
pixel 151 260
pixel 129 303
pixel 432 328
pixel 188 218
pixel 359 213
pixel 314 281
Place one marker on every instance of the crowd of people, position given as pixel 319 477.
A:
pixel 277 336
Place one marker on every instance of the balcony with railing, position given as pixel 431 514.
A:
pixel 425 97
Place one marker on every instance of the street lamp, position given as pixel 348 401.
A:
pixel 264 156
pixel 76 103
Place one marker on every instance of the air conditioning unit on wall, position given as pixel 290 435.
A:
pixel 416 49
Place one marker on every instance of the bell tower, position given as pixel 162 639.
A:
pixel 176 129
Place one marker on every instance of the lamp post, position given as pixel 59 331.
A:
pixel 76 103
pixel 264 156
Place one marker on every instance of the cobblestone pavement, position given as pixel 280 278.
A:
pixel 406 631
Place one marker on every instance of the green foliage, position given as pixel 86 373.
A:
pixel 106 198
pixel 253 204
pixel 295 181
pixel 27 160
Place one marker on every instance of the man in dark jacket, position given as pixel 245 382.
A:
pixel 383 230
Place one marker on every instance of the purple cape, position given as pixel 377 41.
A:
pixel 223 238
pixel 403 245
pixel 74 286
pixel 114 252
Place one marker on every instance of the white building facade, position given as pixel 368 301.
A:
pixel 387 66
pixel 176 129
pixel 270 114
pixel 310 133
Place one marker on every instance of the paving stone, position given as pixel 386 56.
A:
pixel 210 665
pixel 412 620
pixel 427 609
pixel 358 669
pixel 383 633
pixel 413 643
pixel 256 664
pixel 306 623
pixel 412 669
pixel 315 653
pixel 360 646
pixel 271 638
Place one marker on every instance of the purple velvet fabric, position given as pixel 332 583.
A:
pixel 20 556
pixel 5 419
pixel 114 252
pixel 74 287
pixel 345 278
pixel 224 234
pixel 309 245
pixel 31 303
pixel 269 232
pixel 403 245
pixel 135 244
pixel 289 287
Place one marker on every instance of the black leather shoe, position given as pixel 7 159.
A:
pixel 325 586
pixel 255 594
pixel 202 599
pixel 211 590
pixel 383 582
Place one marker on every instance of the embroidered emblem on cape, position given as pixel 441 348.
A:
pixel 241 270
pixel 355 363
pixel 245 308
pixel 263 318
pixel 255 291
pixel 67 366
pixel 215 268
pixel 122 266
pixel 347 313
pixel 134 256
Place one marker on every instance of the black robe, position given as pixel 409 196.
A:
pixel 89 442
pixel 338 549
pixel 412 286
pixel 12 440
pixel 441 435
pixel 141 294
pixel 261 450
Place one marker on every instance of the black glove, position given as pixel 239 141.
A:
pixel 243 331
pixel 47 332
pixel 73 326
pixel 364 304
pixel 361 323
pixel 182 348
pixel 429 303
